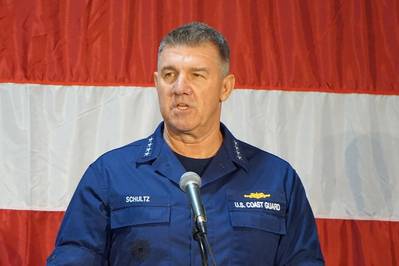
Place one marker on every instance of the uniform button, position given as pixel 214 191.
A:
pixel 140 249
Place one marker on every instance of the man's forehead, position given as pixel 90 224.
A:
pixel 188 53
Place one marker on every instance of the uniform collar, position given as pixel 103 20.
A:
pixel 234 148
pixel 151 146
pixel 155 150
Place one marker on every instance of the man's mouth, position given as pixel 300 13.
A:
pixel 182 106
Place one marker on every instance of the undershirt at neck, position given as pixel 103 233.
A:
pixel 193 164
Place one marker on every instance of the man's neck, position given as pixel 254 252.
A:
pixel 203 146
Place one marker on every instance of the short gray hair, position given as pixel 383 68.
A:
pixel 197 33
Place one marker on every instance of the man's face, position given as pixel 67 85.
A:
pixel 191 87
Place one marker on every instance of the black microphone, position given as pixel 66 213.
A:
pixel 190 183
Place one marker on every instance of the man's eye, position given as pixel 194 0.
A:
pixel 198 75
pixel 168 75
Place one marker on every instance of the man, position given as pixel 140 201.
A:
pixel 129 210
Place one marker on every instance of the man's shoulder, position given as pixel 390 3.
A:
pixel 257 155
pixel 251 153
pixel 134 150
pixel 128 152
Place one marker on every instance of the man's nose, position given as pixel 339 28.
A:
pixel 182 85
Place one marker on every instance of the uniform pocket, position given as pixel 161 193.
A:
pixel 258 224
pixel 139 234
pixel 256 235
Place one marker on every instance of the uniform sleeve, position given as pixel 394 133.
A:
pixel 84 232
pixel 300 246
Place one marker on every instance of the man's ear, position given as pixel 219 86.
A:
pixel 228 86
pixel 156 79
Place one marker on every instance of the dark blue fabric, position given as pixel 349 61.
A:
pixel 193 164
pixel 128 209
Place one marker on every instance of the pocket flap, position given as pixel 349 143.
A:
pixel 258 220
pixel 139 215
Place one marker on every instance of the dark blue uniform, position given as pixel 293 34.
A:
pixel 128 209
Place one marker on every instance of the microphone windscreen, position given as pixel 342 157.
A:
pixel 189 177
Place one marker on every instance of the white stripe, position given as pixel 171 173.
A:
pixel 50 134
pixel 344 146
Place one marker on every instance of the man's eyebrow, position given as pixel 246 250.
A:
pixel 200 69
pixel 165 68
pixel 195 69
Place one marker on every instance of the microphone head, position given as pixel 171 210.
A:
pixel 187 178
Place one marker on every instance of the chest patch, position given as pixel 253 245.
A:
pixel 137 198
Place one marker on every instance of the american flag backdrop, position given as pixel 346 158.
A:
pixel 317 84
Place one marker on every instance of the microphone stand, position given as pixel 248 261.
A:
pixel 200 238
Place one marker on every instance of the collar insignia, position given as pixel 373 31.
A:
pixel 237 150
pixel 148 150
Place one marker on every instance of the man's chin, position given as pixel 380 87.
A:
pixel 180 127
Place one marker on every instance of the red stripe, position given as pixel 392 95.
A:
pixel 29 236
pixel 307 45
pixel 356 242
